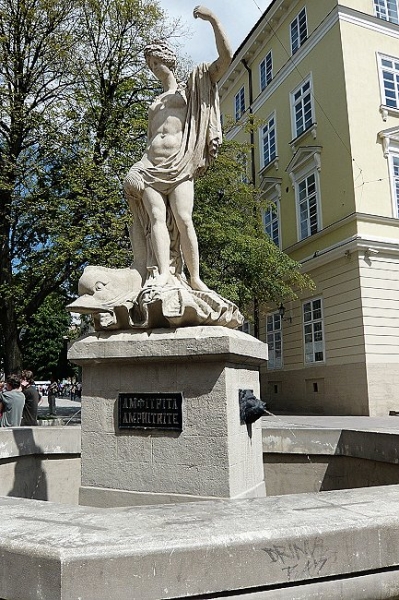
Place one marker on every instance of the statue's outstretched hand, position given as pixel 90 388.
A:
pixel 203 13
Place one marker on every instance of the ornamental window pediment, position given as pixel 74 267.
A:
pixel 305 159
pixel 271 186
pixel 390 140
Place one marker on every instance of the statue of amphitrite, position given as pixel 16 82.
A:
pixel 183 137
pixel 184 134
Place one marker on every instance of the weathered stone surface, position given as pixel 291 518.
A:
pixel 175 551
pixel 42 463
pixel 203 343
pixel 21 441
pixel 307 454
pixel 371 438
pixel 213 456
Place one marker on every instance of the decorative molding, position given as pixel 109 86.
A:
pixel 273 163
pixel 306 155
pixel 384 112
pixel 389 138
pixel 271 184
pixel 388 111
pixel 366 245
pixel 312 130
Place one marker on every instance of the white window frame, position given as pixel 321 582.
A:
pixel 390 144
pixel 271 218
pixel 388 10
pixel 390 103
pixel 271 223
pixel 274 339
pixel 306 162
pixel 268 141
pixel 313 331
pixel 394 177
pixel 239 103
pixel 266 71
pixel 242 161
pixel 308 201
pixel 301 98
pixel 299 30
pixel 271 190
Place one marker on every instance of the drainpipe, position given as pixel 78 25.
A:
pixel 253 174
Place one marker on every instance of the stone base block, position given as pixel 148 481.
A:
pixel 213 456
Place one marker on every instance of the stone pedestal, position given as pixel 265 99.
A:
pixel 213 456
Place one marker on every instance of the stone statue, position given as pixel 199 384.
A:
pixel 183 138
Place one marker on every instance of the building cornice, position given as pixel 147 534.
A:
pixel 266 25
pixel 338 14
pixel 369 246
pixel 350 15
pixel 356 243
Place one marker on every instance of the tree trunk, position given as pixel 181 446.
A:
pixel 12 356
pixel 8 320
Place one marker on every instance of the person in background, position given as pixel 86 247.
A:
pixel 12 402
pixel 2 388
pixel 32 398
pixel 52 392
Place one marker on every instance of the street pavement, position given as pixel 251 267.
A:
pixel 65 408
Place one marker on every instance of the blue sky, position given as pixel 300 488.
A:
pixel 237 17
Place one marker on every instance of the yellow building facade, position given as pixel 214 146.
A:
pixel 321 79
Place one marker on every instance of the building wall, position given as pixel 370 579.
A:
pixel 332 132
pixel 361 45
pixel 338 385
pixel 360 374
pixel 357 211
pixel 379 277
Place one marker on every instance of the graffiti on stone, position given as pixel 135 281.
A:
pixel 299 560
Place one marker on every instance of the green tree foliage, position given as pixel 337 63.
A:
pixel 44 343
pixel 74 94
pixel 238 259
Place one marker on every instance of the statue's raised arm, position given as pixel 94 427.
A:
pixel 219 67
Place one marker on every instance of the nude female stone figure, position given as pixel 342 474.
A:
pixel 183 137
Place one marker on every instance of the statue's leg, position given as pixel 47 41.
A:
pixel 181 201
pixel 155 204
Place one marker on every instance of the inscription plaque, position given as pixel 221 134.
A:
pixel 147 410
